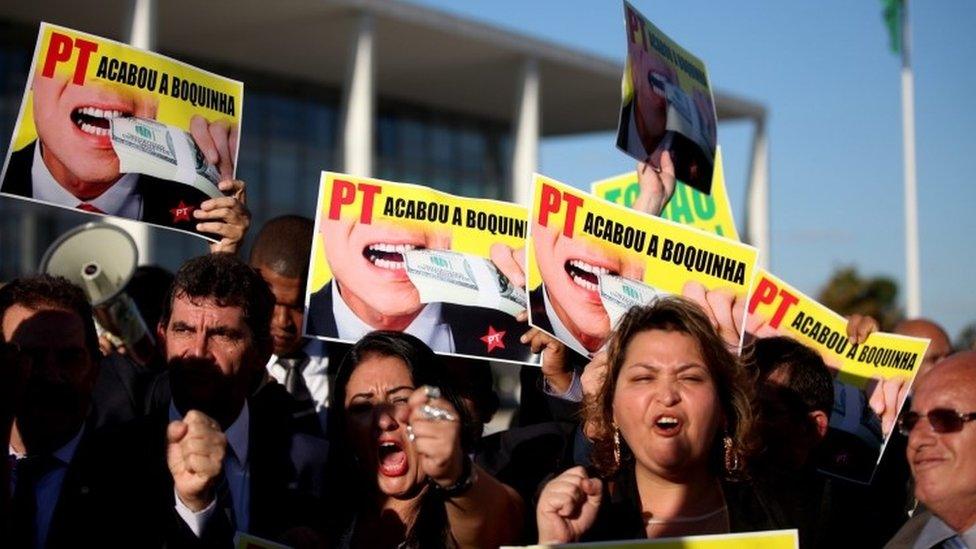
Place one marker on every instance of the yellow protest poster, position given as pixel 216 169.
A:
pixel 590 261
pixel 689 206
pixel 771 539
pixel 874 374
pixel 109 129
pixel 667 114
pixel 396 256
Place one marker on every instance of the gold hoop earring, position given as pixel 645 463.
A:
pixel 616 446
pixel 732 462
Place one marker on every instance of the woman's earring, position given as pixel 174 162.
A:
pixel 731 456
pixel 616 445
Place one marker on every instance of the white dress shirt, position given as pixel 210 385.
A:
pixel 315 375
pixel 48 488
pixel 236 470
pixel 428 326
pixel 936 532
pixel 120 199
pixel 560 330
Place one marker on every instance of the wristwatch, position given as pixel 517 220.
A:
pixel 464 482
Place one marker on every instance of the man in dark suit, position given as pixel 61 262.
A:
pixel 224 455
pixel 475 331
pixel 48 383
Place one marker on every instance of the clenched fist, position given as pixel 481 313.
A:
pixel 568 506
pixel 195 449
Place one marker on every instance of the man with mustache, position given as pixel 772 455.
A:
pixel 226 455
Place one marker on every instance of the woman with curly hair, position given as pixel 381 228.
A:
pixel 671 427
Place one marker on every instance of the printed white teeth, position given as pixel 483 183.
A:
pixel 99 113
pixel 387 264
pixel 392 248
pixel 585 284
pixel 589 268
pixel 94 130
pixel 388 445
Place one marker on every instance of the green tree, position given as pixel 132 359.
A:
pixel 847 293
pixel 967 338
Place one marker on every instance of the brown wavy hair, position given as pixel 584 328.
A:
pixel 734 381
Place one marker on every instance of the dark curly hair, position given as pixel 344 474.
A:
pixel 230 283
pixel 44 290
pixel 733 381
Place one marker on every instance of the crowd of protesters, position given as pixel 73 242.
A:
pixel 239 424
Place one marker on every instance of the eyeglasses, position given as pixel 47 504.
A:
pixel 942 420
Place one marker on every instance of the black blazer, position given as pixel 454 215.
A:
pixel 159 196
pixel 286 467
pixel 619 516
pixel 468 326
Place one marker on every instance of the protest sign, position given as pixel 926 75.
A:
pixel 883 367
pixel 688 206
pixel 769 539
pixel 591 260
pixel 107 128
pixel 666 104
pixel 445 268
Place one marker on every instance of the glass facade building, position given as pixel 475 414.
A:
pixel 289 135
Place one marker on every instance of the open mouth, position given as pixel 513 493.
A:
pixel 667 425
pixel 392 459
pixel 586 275
pixel 388 256
pixel 94 121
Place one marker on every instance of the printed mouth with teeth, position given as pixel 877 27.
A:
pixel 392 459
pixel 585 275
pixel 388 256
pixel 95 121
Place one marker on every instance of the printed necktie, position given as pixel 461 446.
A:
pixel 84 206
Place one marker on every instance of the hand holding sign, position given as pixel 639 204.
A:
pixel 227 216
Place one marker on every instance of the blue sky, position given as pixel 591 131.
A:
pixel 832 88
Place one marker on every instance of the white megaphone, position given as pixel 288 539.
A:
pixel 101 258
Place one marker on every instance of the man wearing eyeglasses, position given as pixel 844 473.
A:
pixel 942 454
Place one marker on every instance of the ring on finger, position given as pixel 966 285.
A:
pixel 437 414
pixel 432 392
pixel 410 436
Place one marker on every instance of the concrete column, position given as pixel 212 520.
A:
pixel 757 209
pixel 142 34
pixel 358 103
pixel 525 142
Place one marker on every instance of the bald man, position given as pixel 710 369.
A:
pixel 942 453
pixel 939 343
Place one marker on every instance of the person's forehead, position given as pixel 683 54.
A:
pixel 662 348
pixel 279 283
pixel 43 325
pixel 186 308
pixel 954 388
pixel 379 371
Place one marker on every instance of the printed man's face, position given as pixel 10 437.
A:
pixel 367 262
pixel 570 269
pixel 73 126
